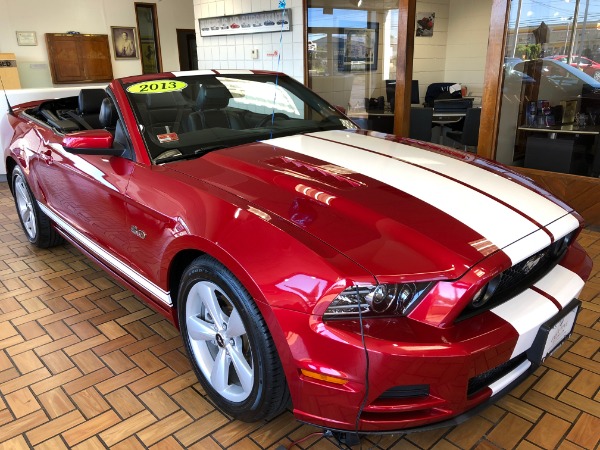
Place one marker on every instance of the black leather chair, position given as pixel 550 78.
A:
pixel 420 123
pixel 210 113
pixel 439 91
pixel 469 135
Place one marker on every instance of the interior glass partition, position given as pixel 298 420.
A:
pixel 550 113
pixel 352 53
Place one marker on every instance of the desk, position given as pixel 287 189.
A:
pixel 376 120
pixel 383 121
pixel 563 129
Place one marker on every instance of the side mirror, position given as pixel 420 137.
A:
pixel 91 142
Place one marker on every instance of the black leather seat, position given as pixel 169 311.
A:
pixel 108 114
pixel 109 119
pixel 90 103
pixel 210 113
pixel 165 112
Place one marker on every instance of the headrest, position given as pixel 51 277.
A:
pixel 90 100
pixel 161 100
pixel 108 114
pixel 212 97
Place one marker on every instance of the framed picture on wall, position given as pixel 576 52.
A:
pixel 149 59
pixel 26 38
pixel 358 48
pixel 124 42
pixel 425 23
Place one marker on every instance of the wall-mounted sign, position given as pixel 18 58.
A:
pixel 26 38
pixel 8 63
pixel 260 22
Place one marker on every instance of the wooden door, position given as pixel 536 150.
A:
pixel 96 57
pixel 79 58
pixel 65 58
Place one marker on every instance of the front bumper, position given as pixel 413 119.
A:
pixel 411 375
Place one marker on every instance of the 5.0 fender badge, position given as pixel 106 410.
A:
pixel 139 233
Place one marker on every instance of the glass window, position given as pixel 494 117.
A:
pixel 550 113
pixel 352 52
pixel 187 116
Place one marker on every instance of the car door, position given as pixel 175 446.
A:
pixel 152 210
pixel 85 195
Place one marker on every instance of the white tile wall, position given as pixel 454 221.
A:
pixel 456 51
pixel 234 52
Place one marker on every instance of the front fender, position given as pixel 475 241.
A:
pixel 278 263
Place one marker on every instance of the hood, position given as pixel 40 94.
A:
pixel 411 212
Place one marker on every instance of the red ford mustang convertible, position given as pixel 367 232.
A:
pixel 372 283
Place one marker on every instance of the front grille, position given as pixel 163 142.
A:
pixel 521 276
pixel 417 390
pixel 486 378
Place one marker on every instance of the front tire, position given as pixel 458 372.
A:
pixel 229 344
pixel 35 223
pixel 597 75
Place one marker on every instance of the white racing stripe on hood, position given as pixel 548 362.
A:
pixel 563 284
pixel 519 197
pixel 491 219
pixel 563 226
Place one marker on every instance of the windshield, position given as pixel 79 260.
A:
pixel 187 116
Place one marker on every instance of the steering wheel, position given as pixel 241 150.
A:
pixel 265 120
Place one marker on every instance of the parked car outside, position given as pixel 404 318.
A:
pixel 590 67
pixel 557 81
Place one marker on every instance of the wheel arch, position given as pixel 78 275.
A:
pixel 194 248
pixel 183 258
pixel 10 166
pixel 178 264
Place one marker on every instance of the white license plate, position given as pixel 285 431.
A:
pixel 554 332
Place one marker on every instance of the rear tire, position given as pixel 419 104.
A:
pixel 36 225
pixel 229 344
pixel 597 75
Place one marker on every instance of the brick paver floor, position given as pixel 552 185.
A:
pixel 85 365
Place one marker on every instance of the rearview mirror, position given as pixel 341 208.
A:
pixel 91 142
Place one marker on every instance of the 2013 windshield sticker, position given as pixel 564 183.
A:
pixel 156 87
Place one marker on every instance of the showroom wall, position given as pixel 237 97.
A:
pixel 87 17
pixel 457 50
pixel 235 52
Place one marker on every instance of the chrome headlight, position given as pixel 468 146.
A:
pixel 376 301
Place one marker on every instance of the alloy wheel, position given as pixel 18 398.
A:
pixel 219 341
pixel 25 207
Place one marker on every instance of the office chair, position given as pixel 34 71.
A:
pixel 438 91
pixel 420 124
pixel 469 135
